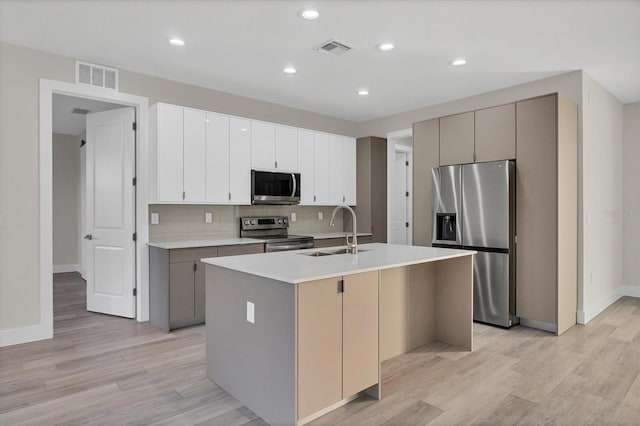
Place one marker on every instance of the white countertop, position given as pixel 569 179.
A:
pixel 293 267
pixel 327 235
pixel 204 243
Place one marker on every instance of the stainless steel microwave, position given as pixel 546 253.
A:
pixel 275 187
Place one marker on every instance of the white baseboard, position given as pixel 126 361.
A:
pixel 540 325
pixel 57 269
pixel 592 311
pixel 16 336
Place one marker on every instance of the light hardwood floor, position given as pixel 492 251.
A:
pixel 100 369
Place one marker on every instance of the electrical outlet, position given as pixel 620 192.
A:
pixel 294 217
pixel 251 313
pixel 155 218
pixel 208 217
pixel 320 216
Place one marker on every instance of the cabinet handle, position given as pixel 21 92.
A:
pixel 184 194
pixel 344 198
pixel 340 286
pixel 314 198
pixel 276 164
pixel 195 266
pixel 229 196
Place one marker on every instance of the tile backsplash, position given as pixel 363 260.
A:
pixel 182 221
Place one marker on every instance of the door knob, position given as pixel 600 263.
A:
pixel 88 237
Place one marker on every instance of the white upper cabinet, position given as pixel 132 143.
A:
pixel 286 149
pixel 336 172
pixel 239 161
pixel 218 169
pixel 263 145
pixel 306 166
pixel 349 171
pixel 169 154
pixel 194 160
pixel 321 169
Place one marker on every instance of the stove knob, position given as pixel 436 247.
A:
pixel 253 222
pixel 279 220
pixel 246 221
pixel 285 220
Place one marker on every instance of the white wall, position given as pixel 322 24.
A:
pixel 603 212
pixel 66 202
pixel 631 200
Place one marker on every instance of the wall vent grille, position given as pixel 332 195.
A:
pixel 96 75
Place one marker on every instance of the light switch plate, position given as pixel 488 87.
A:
pixel 155 218
pixel 208 217
pixel 320 215
pixel 251 313
pixel 294 217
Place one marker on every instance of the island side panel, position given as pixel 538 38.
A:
pixel 253 362
pixel 407 308
pixel 454 301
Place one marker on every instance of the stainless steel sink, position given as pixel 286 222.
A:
pixel 329 252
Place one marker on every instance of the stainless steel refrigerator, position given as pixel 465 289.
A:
pixel 474 208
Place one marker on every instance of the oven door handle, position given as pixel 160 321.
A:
pixel 295 184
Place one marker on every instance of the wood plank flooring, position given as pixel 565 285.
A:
pixel 100 369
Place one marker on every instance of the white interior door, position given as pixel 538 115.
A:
pixel 400 230
pixel 110 166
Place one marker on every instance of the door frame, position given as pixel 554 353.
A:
pixel 141 105
pixel 392 147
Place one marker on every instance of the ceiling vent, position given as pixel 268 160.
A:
pixel 80 111
pixel 333 48
pixel 96 75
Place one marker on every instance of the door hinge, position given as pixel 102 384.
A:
pixel 406 224
pixel 135 181
pixel 406 163
pixel 135 292
pixel 134 126
pixel 406 194
pixel 340 286
pixel 135 236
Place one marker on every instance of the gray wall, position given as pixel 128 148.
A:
pixel 66 200
pixel 20 71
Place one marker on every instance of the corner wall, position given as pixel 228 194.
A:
pixel 631 200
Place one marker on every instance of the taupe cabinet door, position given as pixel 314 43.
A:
pixel 426 150
pixel 359 332
pixel 319 345
pixel 495 133
pixel 457 139
pixel 181 294
pixel 536 209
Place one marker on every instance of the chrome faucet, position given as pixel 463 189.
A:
pixel 353 245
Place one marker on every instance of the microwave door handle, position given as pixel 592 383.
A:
pixel 295 184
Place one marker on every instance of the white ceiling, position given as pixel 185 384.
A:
pixel 241 46
pixel 66 122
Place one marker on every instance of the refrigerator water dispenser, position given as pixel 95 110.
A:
pixel 446 226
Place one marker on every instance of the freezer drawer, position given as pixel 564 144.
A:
pixel 491 289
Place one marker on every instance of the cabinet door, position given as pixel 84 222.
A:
pixel 182 294
pixel 170 154
pixel 263 145
pixel 305 166
pixel 336 172
pixel 536 209
pixel 286 149
pixel 217 158
pixel 321 168
pixel 199 284
pixel 319 345
pixel 239 161
pixel 359 332
pixel 349 168
pixel 425 157
pixel 194 156
pixel 495 133
pixel 456 139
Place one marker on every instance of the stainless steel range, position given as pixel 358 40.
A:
pixel 273 229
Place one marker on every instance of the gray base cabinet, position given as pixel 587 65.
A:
pixel 177 283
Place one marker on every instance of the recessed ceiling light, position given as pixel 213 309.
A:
pixel 176 42
pixel 363 92
pixel 385 47
pixel 290 70
pixel 243 129
pixel 309 14
pixel 458 62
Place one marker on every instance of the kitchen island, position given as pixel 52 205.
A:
pixel 294 335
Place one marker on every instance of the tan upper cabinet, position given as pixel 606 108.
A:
pixel 456 139
pixel 495 133
pixel 425 156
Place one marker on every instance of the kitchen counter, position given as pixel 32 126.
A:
pixel 213 242
pixel 293 337
pixel 295 267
